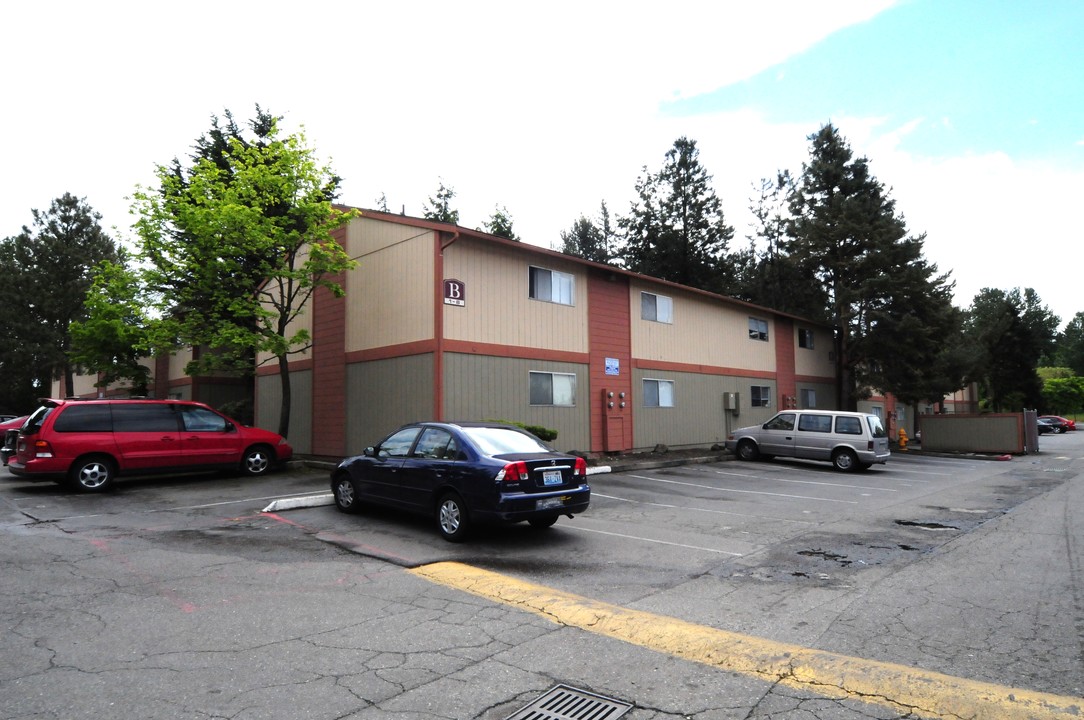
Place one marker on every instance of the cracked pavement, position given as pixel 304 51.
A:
pixel 184 601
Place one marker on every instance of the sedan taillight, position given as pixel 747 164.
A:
pixel 581 468
pixel 513 472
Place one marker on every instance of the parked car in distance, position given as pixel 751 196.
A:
pixel 1065 422
pixel 849 440
pixel 461 474
pixel 9 436
pixel 88 443
pixel 1049 426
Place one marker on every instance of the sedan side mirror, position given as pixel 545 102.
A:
pixel 370 451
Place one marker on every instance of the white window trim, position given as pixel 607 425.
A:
pixel 558 282
pixel 664 308
pixel 553 393
pixel 761 335
pixel 660 383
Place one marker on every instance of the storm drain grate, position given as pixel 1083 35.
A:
pixel 566 703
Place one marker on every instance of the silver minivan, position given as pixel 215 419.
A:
pixel 849 440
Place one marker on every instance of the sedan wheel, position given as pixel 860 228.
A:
pixel 452 518
pixel 347 498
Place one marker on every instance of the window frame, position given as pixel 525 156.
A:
pixel 655 307
pixel 760 395
pixel 535 283
pixel 571 390
pixel 658 394
pixel 807 399
pixel 805 338
pixel 758 329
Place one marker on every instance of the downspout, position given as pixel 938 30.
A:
pixel 438 321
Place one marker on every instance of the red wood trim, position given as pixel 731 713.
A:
pixel 814 379
pixel 701 369
pixel 273 368
pixel 468 347
pixel 419 347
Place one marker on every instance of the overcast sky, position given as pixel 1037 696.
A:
pixel 970 111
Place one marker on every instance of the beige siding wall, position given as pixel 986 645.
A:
pixel 178 361
pixel 697 417
pixel 390 294
pixel 497 278
pixel 482 387
pixel 383 394
pixel 269 404
pixel 303 321
pixel 816 362
pixel 704 332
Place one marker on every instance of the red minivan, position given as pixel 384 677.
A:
pixel 89 442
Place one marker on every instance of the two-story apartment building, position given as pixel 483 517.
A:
pixel 442 322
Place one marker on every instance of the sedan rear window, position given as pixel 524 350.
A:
pixel 503 441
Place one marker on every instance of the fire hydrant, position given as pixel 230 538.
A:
pixel 903 439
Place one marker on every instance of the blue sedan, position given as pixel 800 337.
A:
pixel 464 473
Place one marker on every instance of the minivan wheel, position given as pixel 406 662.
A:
pixel 92 474
pixel 845 460
pixel 452 518
pixel 256 460
pixel 747 450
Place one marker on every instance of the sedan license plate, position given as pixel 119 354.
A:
pixel 551 477
pixel 549 503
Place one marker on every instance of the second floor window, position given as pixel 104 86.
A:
pixel 758 329
pixel 551 286
pixel 805 338
pixel 658 308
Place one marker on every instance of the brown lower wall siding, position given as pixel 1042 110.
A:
pixel 381 395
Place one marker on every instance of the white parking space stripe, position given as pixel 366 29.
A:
pixel 815 482
pixel 744 492
pixel 705 510
pixel 581 528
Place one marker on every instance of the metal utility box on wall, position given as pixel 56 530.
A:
pixel 731 402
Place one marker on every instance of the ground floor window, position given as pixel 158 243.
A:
pixel 809 399
pixel 761 395
pixel 658 393
pixel 553 389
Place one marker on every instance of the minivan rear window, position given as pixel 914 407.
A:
pixel 848 425
pixel 876 427
pixel 84 419
pixel 149 417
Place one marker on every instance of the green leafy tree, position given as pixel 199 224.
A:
pixel 590 240
pixel 1070 345
pixel 439 208
pixel 500 224
pixel 112 340
pixel 233 248
pixel 1006 330
pixel 889 306
pixel 676 230
pixel 1063 395
pixel 765 274
pixel 52 266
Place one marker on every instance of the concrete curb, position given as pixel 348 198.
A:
pixel 300 502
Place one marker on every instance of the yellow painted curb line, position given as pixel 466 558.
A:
pixel 899 687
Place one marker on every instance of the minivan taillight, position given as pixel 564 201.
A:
pixel 513 472
pixel 42 449
pixel 581 468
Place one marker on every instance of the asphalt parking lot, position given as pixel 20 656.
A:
pixel 730 589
